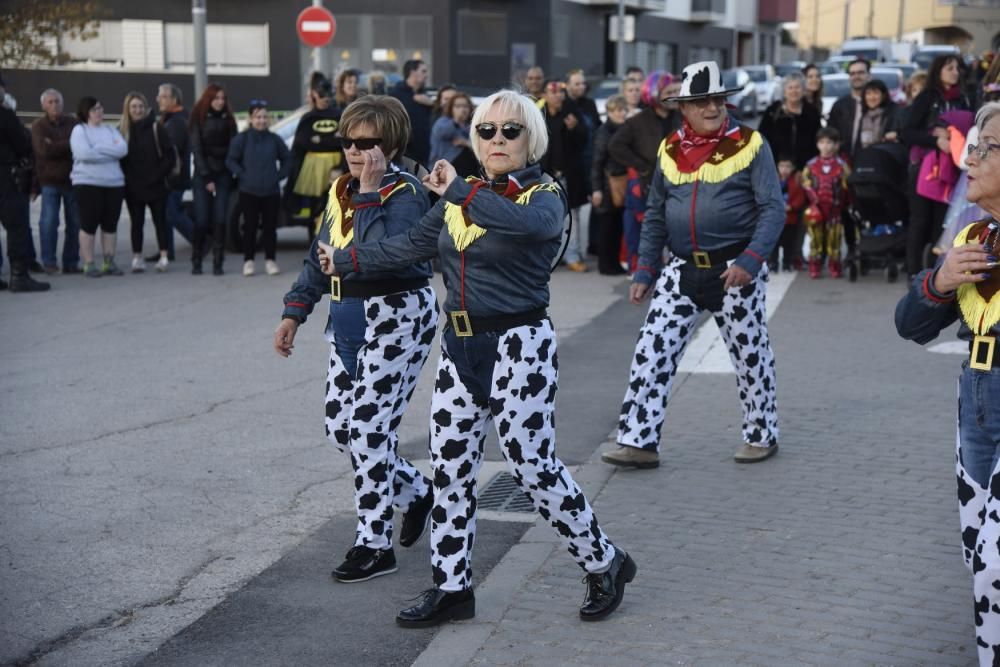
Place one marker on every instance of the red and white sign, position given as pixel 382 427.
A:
pixel 316 26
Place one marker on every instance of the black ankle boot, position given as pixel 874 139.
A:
pixel 217 257
pixel 21 280
pixel 415 520
pixel 437 606
pixel 605 589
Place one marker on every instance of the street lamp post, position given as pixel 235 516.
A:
pixel 317 54
pixel 620 52
pixel 200 48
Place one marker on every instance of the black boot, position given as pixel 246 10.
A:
pixel 415 520
pixel 21 280
pixel 3 284
pixel 217 256
pixel 197 251
pixel 437 606
pixel 605 589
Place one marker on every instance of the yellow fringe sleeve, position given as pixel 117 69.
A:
pixel 978 314
pixel 710 173
pixel 463 235
pixel 333 216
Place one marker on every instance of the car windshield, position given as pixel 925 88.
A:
pixel 836 87
pixel 890 79
pixel 729 79
pixel 606 89
pixel 785 70
pixel 867 54
pixel 757 75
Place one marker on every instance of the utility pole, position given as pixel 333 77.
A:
pixel 847 18
pixel 620 47
pixel 317 54
pixel 198 25
pixel 899 25
pixel 815 44
pixel 871 18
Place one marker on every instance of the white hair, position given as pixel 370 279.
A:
pixel 50 92
pixel 517 107
pixel 793 77
pixel 986 113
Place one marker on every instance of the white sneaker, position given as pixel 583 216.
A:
pixel 138 265
pixel 271 267
pixel 249 268
pixel 162 264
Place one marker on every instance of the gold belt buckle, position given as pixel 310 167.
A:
pixel 335 288
pixel 990 343
pixel 701 260
pixel 460 323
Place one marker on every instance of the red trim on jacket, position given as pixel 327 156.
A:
pixel 475 188
pixel 930 295
pixel 367 205
pixel 354 259
pixel 295 304
pixel 750 252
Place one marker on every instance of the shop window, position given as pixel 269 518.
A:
pixel 482 33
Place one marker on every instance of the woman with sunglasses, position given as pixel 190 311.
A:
pixel 380 327
pixel 496 239
pixel 965 286
pixel 715 202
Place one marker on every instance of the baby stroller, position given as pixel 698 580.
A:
pixel 879 209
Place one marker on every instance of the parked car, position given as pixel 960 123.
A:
pixel 601 90
pixel 906 68
pixel 835 86
pixel 767 83
pixel 745 101
pixel 839 63
pixel 787 68
pixel 926 54
pixel 828 67
pixel 873 50
pixel 894 80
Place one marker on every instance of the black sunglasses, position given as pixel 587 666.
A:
pixel 510 131
pixel 363 143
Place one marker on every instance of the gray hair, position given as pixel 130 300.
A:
pixel 520 108
pixel 793 77
pixel 50 92
pixel 988 112
pixel 174 91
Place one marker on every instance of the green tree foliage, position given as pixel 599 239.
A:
pixel 30 31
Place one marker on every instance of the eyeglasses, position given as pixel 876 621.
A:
pixel 706 101
pixel 362 143
pixel 510 131
pixel 982 151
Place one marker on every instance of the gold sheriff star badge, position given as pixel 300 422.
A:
pixel 718 157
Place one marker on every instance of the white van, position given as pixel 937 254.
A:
pixel 873 50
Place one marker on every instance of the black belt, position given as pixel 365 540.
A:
pixel 368 288
pixel 706 260
pixel 982 355
pixel 465 325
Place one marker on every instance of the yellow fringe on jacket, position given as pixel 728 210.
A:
pixel 464 234
pixel 708 172
pixel 335 212
pixel 979 315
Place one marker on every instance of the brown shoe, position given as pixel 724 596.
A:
pixel 631 457
pixel 577 267
pixel 748 454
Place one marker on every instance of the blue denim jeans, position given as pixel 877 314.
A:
pixel 347 325
pixel 210 210
pixel 177 219
pixel 48 226
pixel 979 423
pixel 474 358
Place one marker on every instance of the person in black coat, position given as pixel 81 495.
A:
pixel 922 134
pixel 212 129
pixel 608 208
pixel 790 125
pixel 174 119
pixel 147 165
pixel 410 91
pixel 317 157
pixel 845 115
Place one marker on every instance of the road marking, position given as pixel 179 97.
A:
pixel 706 353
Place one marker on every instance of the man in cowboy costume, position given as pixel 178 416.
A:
pixel 715 203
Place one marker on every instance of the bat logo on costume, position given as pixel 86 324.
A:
pixel 325 126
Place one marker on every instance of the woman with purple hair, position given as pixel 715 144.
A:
pixel 634 146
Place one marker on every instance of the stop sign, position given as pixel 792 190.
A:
pixel 316 26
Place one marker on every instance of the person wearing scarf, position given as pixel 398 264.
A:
pixel 497 239
pixel 380 327
pixel 715 203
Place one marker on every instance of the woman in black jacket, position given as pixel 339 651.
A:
pixel 880 118
pixel 790 125
pixel 150 159
pixel 317 156
pixel 608 212
pixel 922 134
pixel 212 128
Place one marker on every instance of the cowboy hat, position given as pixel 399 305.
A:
pixel 702 80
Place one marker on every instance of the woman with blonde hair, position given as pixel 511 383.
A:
pixel 151 157
pixel 346 88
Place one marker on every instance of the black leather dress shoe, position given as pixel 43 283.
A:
pixel 605 589
pixel 415 521
pixel 436 607
pixel 364 563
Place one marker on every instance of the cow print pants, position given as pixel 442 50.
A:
pixel 669 326
pixel 363 412
pixel 519 373
pixel 976 464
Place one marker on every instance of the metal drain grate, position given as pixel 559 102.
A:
pixel 502 494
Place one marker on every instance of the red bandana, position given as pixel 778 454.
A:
pixel 696 148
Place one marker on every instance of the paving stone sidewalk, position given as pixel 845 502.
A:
pixel 842 550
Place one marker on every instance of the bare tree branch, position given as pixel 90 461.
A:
pixel 30 31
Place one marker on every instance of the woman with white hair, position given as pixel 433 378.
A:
pixel 496 240
pixel 790 125
pixel 965 286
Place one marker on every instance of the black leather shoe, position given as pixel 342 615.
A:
pixel 415 521
pixel 36 267
pixel 364 563
pixel 196 269
pixel 436 607
pixel 605 589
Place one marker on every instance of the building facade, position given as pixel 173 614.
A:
pixel 254 52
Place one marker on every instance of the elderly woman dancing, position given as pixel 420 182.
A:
pixel 715 203
pixel 497 239
pixel 965 286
